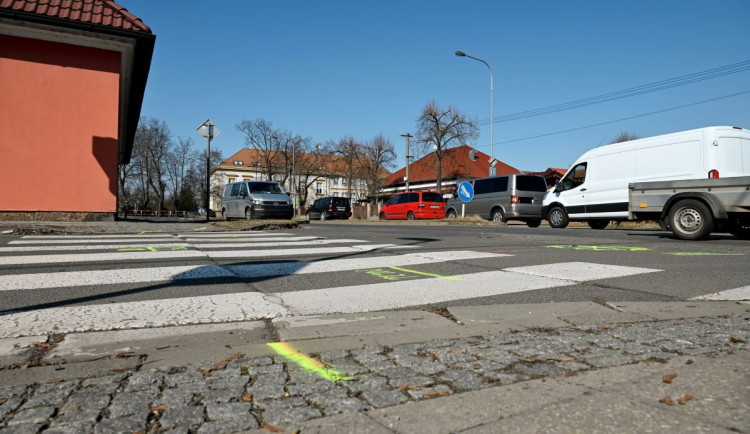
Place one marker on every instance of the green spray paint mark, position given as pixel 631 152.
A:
pixel 421 273
pixel 307 363
pixel 599 248
pixel 704 254
pixel 152 249
pixel 388 274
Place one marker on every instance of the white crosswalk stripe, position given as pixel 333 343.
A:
pixel 419 288
pixel 163 274
pixel 736 294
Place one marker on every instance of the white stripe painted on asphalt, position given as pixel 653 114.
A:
pixel 736 294
pixel 307 251
pixel 99 257
pixel 249 239
pixel 166 274
pixel 234 234
pixel 94 240
pixel 73 237
pixel 351 264
pixel 36 248
pixel 160 255
pixel 399 294
pixel 110 277
pixel 153 313
pixel 276 244
pixel 253 305
pixel 580 271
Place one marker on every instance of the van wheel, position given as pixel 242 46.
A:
pixel 557 217
pixel 248 213
pixel 410 216
pixel 690 220
pixel 598 224
pixel 498 216
pixel 382 216
pixel 534 223
pixel 224 214
pixel 451 214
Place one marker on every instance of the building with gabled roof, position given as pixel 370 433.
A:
pixel 316 176
pixel 73 77
pixel 459 163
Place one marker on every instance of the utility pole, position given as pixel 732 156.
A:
pixel 408 136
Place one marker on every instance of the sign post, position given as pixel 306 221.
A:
pixel 208 130
pixel 466 194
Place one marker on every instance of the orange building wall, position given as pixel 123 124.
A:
pixel 58 126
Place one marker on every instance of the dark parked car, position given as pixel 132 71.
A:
pixel 329 208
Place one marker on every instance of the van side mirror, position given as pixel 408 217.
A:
pixel 558 187
pixel 243 194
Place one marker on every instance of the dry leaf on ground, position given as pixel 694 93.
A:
pixel 231 358
pixel 160 408
pixel 41 344
pixel 207 372
pixel 736 340
pixel 668 378
pixel 271 428
pixel 667 400
pixel 247 397
pixel 684 399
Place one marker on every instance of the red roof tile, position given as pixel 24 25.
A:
pixel 102 12
pixel 456 164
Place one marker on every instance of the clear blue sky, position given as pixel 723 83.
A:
pixel 325 69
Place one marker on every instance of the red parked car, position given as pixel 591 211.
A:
pixel 414 205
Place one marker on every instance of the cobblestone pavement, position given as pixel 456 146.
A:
pixel 242 394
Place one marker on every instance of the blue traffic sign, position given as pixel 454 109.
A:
pixel 466 191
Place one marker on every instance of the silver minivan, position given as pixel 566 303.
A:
pixel 503 198
pixel 254 199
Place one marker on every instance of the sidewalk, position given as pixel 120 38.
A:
pixel 563 367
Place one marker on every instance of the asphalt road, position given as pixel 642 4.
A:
pixel 677 270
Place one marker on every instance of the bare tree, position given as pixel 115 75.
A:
pixel 263 137
pixel 178 160
pixel 440 129
pixel 347 151
pixel 624 137
pixel 377 155
pixel 310 165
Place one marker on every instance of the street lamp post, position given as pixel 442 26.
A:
pixel 492 102
pixel 408 136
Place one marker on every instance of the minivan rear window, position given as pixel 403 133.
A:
pixel 431 197
pixel 530 183
pixel 340 201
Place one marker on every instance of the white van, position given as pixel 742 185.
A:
pixel 595 189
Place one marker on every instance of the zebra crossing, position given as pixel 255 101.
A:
pixel 115 260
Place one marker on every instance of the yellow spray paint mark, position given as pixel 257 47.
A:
pixel 307 363
pixel 388 274
pixel 200 229
pixel 705 254
pixel 151 232
pixel 421 273
pixel 599 248
pixel 152 249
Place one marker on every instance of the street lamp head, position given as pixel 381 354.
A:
pixel 460 54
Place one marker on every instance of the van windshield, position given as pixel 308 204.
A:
pixel 530 183
pixel 265 188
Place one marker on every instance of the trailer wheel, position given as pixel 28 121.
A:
pixel 557 217
pixel 740 228
pixel 690 220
